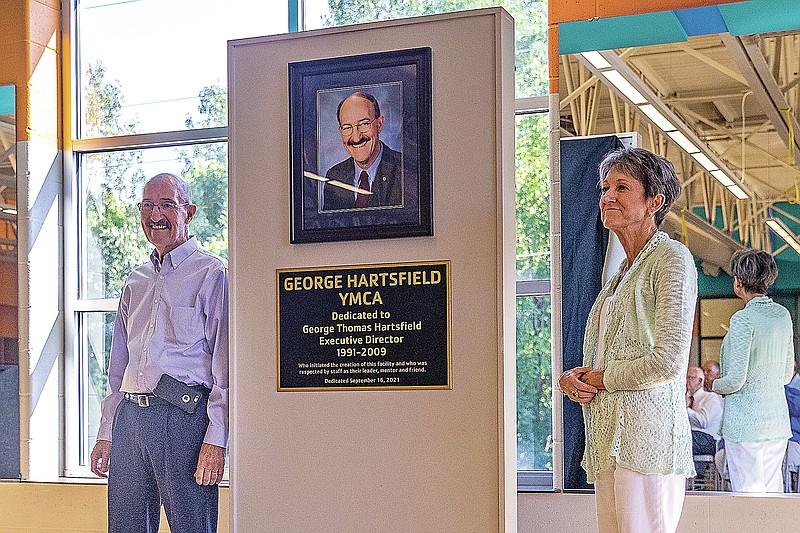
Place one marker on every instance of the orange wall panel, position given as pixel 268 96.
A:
pixel 11 27
pixel 8 284
pixel 43 22
pixel 566 10
pixel 14 53
pixel 43 117
pixel 552 57
pixel 28 30
pixel 570 10
pixel 9 323
pixel 55 4
pixel 616 8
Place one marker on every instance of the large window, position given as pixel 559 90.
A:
pixel 150 96
pixel 149 85
pixel 534 376
pixel 156 58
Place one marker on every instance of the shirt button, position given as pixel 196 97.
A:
pixel 155 301
pixel 161 277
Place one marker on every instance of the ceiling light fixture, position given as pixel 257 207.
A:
pixel 624 86
pixel 705 162
pixel 781 230
pixel 737 192
pixel 657 118
pixel 723 178
pixel 684 142
pixel 628 85
pixel 597 60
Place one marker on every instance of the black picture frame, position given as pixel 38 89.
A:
pixel 400 82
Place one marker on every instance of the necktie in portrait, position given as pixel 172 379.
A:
pixel 363 183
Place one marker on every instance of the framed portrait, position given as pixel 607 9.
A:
pixel 360 147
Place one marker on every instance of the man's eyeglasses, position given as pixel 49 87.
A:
pixel 147 206
pixel 363 127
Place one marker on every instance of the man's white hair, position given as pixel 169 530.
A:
pixel 181 186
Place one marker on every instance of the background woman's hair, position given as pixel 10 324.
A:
pixel 756 270
pixel 655 173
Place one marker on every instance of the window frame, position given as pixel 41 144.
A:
pixel 76 305
pixel 535 480
pixel 539 480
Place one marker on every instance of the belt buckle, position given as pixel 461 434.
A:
pixel 143 400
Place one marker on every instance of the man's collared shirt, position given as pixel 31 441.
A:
pixel 371 171
pixel 706 413
pixel 173 319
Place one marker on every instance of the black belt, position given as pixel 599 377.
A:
pixel 148 399
pixel 145 400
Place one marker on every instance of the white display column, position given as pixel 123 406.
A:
pixel 408 460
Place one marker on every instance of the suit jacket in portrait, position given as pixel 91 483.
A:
pixel 387 187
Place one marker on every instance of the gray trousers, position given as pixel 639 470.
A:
pixel 154 453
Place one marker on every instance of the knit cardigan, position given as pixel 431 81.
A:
pixel 756 361
pixel 640 420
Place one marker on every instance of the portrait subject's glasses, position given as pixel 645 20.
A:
pixel 363 127
pixel 147 206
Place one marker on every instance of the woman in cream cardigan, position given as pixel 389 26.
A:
pixel 757 360
pixel 636 351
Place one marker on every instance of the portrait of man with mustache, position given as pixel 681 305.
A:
pixel 372 167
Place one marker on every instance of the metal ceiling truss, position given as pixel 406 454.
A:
pixel 768 66
pixel 762 80
pixel 583 102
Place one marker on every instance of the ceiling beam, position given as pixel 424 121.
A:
pixel 712 63
pixel 791 84
pixel 704 96
pixel 730 135
pixel 747 56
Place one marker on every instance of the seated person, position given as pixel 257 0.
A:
pixel 793 449
pixel 705 414
pixel 711 373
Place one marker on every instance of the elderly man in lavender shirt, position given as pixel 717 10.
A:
pixel 172 322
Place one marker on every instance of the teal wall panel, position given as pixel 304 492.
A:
pixel 760 16
pixel 7 100
pixel 620 32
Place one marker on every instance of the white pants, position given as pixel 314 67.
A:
pixel 629 502
pixel 756 466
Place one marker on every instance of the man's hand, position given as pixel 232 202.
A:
pixel 210 465
pixel 99 458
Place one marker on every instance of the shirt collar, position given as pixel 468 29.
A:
pixel 177 255
pixel 759 300
pixel 699 393
pixel 371 171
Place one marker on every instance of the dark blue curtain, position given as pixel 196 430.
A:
pixel 9 420
pixel 583 249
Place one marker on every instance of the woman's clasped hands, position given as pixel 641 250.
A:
pixel 581 383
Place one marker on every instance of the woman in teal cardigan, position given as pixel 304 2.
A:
pixel 757 360
pixel 636 351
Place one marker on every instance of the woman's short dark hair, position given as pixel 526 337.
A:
pixel 655 173
pixel 756 270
